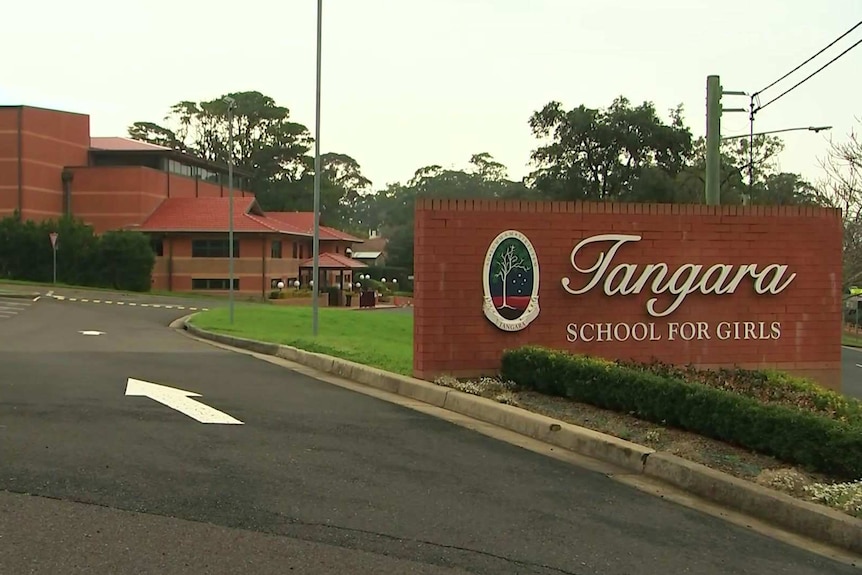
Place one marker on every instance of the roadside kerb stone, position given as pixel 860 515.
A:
pixel 814 520
pixel 606 448
pixel 18 295
pixel 808 519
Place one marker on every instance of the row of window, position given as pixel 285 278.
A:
pixel 221 249
pixel 214 283
pixel 205 174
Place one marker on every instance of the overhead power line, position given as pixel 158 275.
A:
pixel 820 69
pixel 835 41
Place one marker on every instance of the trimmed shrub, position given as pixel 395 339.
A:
pixel 789 433
pixel 124 261
pixel 768 386
pixel 120 260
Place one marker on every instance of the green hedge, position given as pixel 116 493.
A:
pixel 792 434
pixel 121 260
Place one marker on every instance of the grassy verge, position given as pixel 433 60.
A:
pixel 379 339
pixel 851 340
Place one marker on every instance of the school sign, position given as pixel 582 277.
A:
pixel 709 286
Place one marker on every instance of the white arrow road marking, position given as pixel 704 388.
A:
pixel 858 365
pixel 179 400
pixel 91 332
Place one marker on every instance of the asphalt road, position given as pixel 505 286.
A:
pixel 318 479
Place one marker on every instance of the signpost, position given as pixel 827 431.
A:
pixel 54 236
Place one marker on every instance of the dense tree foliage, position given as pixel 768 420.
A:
pixel 842 188
pixel 120 259
pixel 624 152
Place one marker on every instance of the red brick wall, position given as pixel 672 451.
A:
pixel 453 336
pixel 115 197
pixel 49 140
pixel 9 117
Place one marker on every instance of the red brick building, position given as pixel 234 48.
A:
pixel 50 166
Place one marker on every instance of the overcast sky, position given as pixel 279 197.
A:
pixel 409 83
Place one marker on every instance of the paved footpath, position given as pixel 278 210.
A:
pixel 317 479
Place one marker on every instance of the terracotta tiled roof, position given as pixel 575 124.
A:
pixel 212 215
pixel 124 145
pixel 208 215
pixel 329 260
pixel 305 221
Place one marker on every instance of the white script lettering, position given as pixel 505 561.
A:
pixel 623 279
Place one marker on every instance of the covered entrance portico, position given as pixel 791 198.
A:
pixel 336 270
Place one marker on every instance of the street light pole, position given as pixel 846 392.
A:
pixel 315 288
pixel 230 106
pixel 814 129
pixel 751 147
pixel 750 135
pixel 713 131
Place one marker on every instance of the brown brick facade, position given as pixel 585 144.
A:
pixel 797 329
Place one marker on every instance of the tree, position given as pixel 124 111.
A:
pixel 508 259
pixel 267 143
pixel 842 189
pixel 392 209
pixel 601 154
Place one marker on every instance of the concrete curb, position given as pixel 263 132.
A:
pixel 19 295
pixel 808 519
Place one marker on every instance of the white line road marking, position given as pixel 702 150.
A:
pixel 179 400
pixel 91 332
pixel 37 298
pixel 128 303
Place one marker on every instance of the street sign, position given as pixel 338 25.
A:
pixel 54 236
pixel 179 400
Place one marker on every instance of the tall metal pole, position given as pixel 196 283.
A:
pixel 230 106
pixel 750 150
pixel 315 288
pixel 713 140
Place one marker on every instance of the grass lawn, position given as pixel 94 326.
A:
pixel 851 340
pixel 382 339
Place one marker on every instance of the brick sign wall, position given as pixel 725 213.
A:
pixel 710 286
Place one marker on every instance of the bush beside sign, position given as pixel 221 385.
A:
pixel 685 284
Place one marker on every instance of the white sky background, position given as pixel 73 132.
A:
pixel 409 83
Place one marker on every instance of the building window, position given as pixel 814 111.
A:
pixel 158 247
pixel 214 283
pixel 275 252
pixel 295 250
pixel 214 248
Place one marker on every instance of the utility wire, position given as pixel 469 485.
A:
pixel 809 59
pixel 809 76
